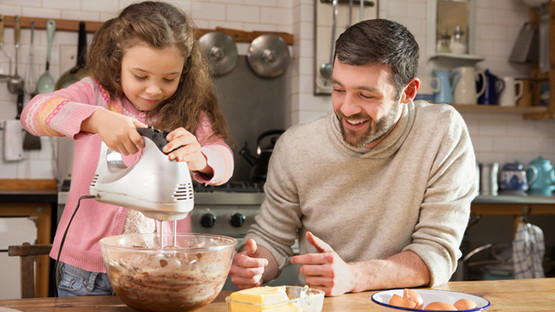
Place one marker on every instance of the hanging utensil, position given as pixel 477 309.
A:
pixel 350 13
pixel 79 71
pixel 46 83
pixel 3 50
pixel 268 55
pixel 327 69
pixel 30 83
pixel 361 13
pixel 221 52
pixel 15 83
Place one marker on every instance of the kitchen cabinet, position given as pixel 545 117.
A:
pixel 548 77
pixel 35 200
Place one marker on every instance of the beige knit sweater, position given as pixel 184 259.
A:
pixel 410 192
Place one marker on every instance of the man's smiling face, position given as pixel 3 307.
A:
pixel 365 101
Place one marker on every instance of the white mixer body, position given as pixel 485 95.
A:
pixel 159 188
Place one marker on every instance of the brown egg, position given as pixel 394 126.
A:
pixel 399 301
pixel 414 296
pixel 465 304
pixel 442 306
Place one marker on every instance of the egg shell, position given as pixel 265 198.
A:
pixel 414 296
pixel 399 301
pixel 465 304
pixel 441 306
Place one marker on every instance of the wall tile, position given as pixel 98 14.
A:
pixel 275 15
pixel 212 11
pixel 100 5
pixel 243 13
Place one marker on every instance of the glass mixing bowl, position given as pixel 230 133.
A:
pixel 181 276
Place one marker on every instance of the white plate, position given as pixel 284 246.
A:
pixel 429 295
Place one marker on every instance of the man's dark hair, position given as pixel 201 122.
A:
pixel 380 41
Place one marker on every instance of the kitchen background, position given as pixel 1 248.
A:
pixel 497 137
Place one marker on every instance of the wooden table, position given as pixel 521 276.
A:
pixel 504 295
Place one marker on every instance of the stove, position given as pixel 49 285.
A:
pixel 228 209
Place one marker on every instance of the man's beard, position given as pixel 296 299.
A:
pixel 376 129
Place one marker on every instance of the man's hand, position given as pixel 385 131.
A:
pixel 247 267
pixel 325 270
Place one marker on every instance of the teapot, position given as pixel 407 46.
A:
pixel 260 162
pixel 514 179
pixel 544 173
pixel 447 80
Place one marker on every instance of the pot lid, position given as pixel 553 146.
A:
pixel 268 55
pixel 220 51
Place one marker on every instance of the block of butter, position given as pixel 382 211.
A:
pixel 261 299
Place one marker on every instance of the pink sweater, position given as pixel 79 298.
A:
pixel 61 114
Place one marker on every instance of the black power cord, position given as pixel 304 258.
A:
pixel 56 269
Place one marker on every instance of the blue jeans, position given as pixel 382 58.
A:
pixel 78 282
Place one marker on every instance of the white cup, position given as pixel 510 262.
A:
pixel 509 96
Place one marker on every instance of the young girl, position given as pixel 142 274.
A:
pixel 145 68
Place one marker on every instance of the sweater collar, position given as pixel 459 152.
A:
pixel 389 145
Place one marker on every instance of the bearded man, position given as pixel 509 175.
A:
pixel 377 192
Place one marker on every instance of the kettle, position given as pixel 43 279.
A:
pixel 260 162
pixel 514 179
pixel 543 173
pixel 447 80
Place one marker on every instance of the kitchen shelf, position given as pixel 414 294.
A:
pixel 525 110
pixel 92 26
pixel 456 56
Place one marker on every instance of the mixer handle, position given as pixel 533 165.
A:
pixel 156 136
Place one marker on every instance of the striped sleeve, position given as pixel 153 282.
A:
pixel 60 113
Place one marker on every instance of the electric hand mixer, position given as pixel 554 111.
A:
pixel 159 188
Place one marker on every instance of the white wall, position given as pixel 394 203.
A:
pixel 497 137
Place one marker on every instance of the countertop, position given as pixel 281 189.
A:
pixel 504 295
pixel 514 199
pixel 28 191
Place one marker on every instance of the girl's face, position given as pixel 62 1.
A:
pixel 149 76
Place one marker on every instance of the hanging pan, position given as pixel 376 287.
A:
pixel 268 55
pixel 79 71
pixel 220 51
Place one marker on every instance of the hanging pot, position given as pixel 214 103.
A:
pixel 221 52
pixel 268 55
pixel 80 70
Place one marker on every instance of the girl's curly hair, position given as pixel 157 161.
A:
pixel 159 24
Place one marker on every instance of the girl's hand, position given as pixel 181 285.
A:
pixel 118 131
pixel 187 149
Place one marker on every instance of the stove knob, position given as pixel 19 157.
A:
pixel 237 219
pixel 207 220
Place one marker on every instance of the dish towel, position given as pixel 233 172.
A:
pixel 528 250
pixel 13 140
